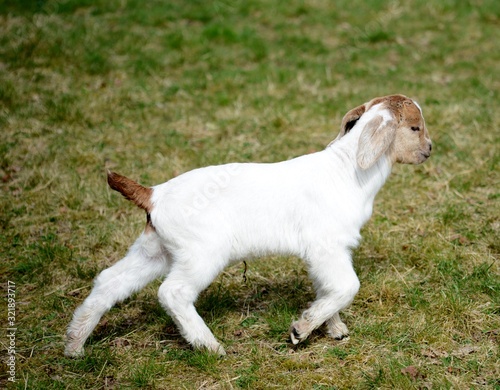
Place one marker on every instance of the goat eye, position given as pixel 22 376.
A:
pixel 415 128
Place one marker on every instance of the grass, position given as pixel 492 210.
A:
pixel 153 89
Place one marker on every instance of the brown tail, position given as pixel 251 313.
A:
pixel 131 190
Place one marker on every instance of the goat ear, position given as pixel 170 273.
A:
pixel 350 119
pixel 375 139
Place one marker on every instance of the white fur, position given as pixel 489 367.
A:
pixel 312 206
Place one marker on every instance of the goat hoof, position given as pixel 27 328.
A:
pixel 338 331
pixel 73 353
pixel 296 335
pixel 216 349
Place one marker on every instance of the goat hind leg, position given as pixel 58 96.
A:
pixel 177 295
pixel 143 263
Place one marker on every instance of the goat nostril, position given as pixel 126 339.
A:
pixel 430 147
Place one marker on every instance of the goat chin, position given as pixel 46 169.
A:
pixel 312 206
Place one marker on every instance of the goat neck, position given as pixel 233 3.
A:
pixel 343 153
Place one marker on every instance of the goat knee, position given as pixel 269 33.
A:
pixel 172 297
pixel 349 290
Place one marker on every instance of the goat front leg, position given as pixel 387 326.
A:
pixel 336 285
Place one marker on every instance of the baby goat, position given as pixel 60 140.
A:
pixel 312 206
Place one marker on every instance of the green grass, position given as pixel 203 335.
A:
pixel 153 89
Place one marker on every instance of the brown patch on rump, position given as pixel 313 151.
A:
pixel 131 190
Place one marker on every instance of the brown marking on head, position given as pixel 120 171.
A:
pixel 351 118
pixel 405 137
pixel 411 144
pixel 402 107
pixel 131 190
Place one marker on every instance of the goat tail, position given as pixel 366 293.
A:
pixel 132 190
